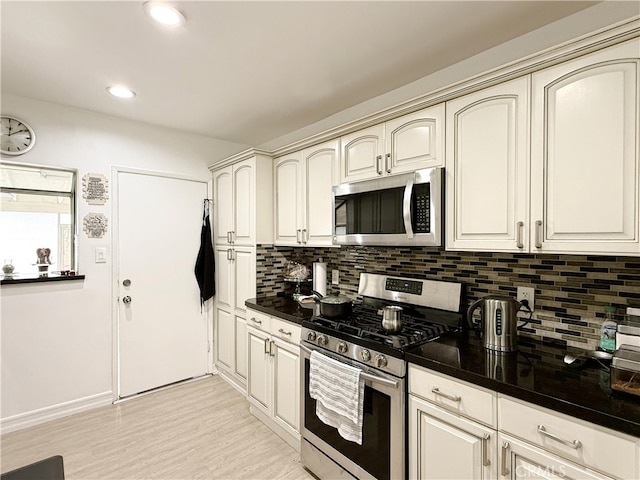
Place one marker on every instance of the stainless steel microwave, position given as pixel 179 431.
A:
pixel 403 209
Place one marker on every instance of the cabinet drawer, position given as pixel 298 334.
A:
pixel 259 320
pixel 454 395
pixel 287 331
pixel 599 448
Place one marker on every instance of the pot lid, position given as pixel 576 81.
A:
pixel 335 299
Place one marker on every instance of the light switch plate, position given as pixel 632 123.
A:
pixel 101 255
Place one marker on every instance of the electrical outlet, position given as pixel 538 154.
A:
pixel 528 294
pixel 335 277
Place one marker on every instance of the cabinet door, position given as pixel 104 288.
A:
pixel 362 154
pixel 244 203
pixel 225 277
pixel 241 341
pixel 225 339
pixel 320 169
pixel 286 384
pixel 287 173
pixel 244 265
pixel 487 169
pixel 445 446
pixel 222 222
pixel 519 460
pixel 584 154
pixel 258 368
pixel 415 141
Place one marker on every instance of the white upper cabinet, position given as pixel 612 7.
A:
pixel 487 168
pixel 287 175
pixel 303 197
pixel 404 144
pixel 578 192
pixel 242 202
pixel 584 154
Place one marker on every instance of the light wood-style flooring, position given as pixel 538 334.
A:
pixel 197 430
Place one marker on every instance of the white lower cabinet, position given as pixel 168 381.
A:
pixel 452 431
pixel 448 446
pixel 458 430
pixel 561 440
pixel 519 461
pixel 273 376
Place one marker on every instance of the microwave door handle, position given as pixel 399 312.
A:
pixel 406 207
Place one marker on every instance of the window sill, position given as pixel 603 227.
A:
pixel 35 278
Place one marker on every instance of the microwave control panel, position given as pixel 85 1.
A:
pixel 422 203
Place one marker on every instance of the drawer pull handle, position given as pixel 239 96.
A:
pixel 283 332
pixel 267 346
pixel 505 452
pixel 453 398
pixel 259 322
pixel 575 444
pixel 485 450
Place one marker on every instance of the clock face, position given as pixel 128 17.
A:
pixel 16 136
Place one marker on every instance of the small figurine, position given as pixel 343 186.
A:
pixel 43 256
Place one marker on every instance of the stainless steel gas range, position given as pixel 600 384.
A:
pixel 430 309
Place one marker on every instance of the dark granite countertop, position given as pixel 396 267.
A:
pixel 281 307
pixel 536 374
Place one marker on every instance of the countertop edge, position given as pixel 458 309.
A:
pixel 574 410
pixel 253 304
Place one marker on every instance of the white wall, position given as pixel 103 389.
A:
pixel 56 338
pixel 601 15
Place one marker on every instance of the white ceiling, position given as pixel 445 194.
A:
pixel 247 72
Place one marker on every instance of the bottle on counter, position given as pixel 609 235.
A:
pixel 608 330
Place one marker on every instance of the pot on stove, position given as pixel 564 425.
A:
pixel 334 306
pixel 392 319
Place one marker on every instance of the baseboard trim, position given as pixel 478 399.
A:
pixel 46 414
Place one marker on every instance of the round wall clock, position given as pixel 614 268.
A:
pixel 17 137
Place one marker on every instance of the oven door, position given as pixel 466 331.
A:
pixel 381 455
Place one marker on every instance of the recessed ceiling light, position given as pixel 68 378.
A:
pixel 121 92
pixel 164 14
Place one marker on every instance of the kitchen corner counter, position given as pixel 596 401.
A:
pixel 283 307
pixel 536 374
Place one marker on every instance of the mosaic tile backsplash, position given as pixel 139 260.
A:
pixel 571 291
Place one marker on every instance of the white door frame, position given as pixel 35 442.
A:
pixel 115 259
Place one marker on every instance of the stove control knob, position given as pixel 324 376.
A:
pixel 365 355
pixel 322 340
pixel 381 361
pixel 311 336
pixel 342 347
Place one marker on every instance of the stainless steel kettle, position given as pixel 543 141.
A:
pixel 499 321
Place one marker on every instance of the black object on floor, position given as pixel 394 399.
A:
pixel 51 468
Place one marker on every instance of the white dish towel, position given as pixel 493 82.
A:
pixel 339 394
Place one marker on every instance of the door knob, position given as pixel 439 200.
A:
pixel 126 299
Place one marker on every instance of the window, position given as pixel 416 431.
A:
pixel 37 211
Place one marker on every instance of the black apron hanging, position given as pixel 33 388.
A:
pixel 206 263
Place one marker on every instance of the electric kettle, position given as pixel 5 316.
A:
pixel 498 317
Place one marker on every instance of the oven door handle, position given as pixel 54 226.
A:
pixel 406 206
pixel 364 375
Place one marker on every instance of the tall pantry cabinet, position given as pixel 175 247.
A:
pixel 242 219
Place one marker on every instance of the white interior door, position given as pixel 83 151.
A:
pixel 162 331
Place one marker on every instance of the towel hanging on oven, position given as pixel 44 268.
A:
pixel 339 394
pixel 206 263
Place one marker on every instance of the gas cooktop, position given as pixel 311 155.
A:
pixel 364 326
